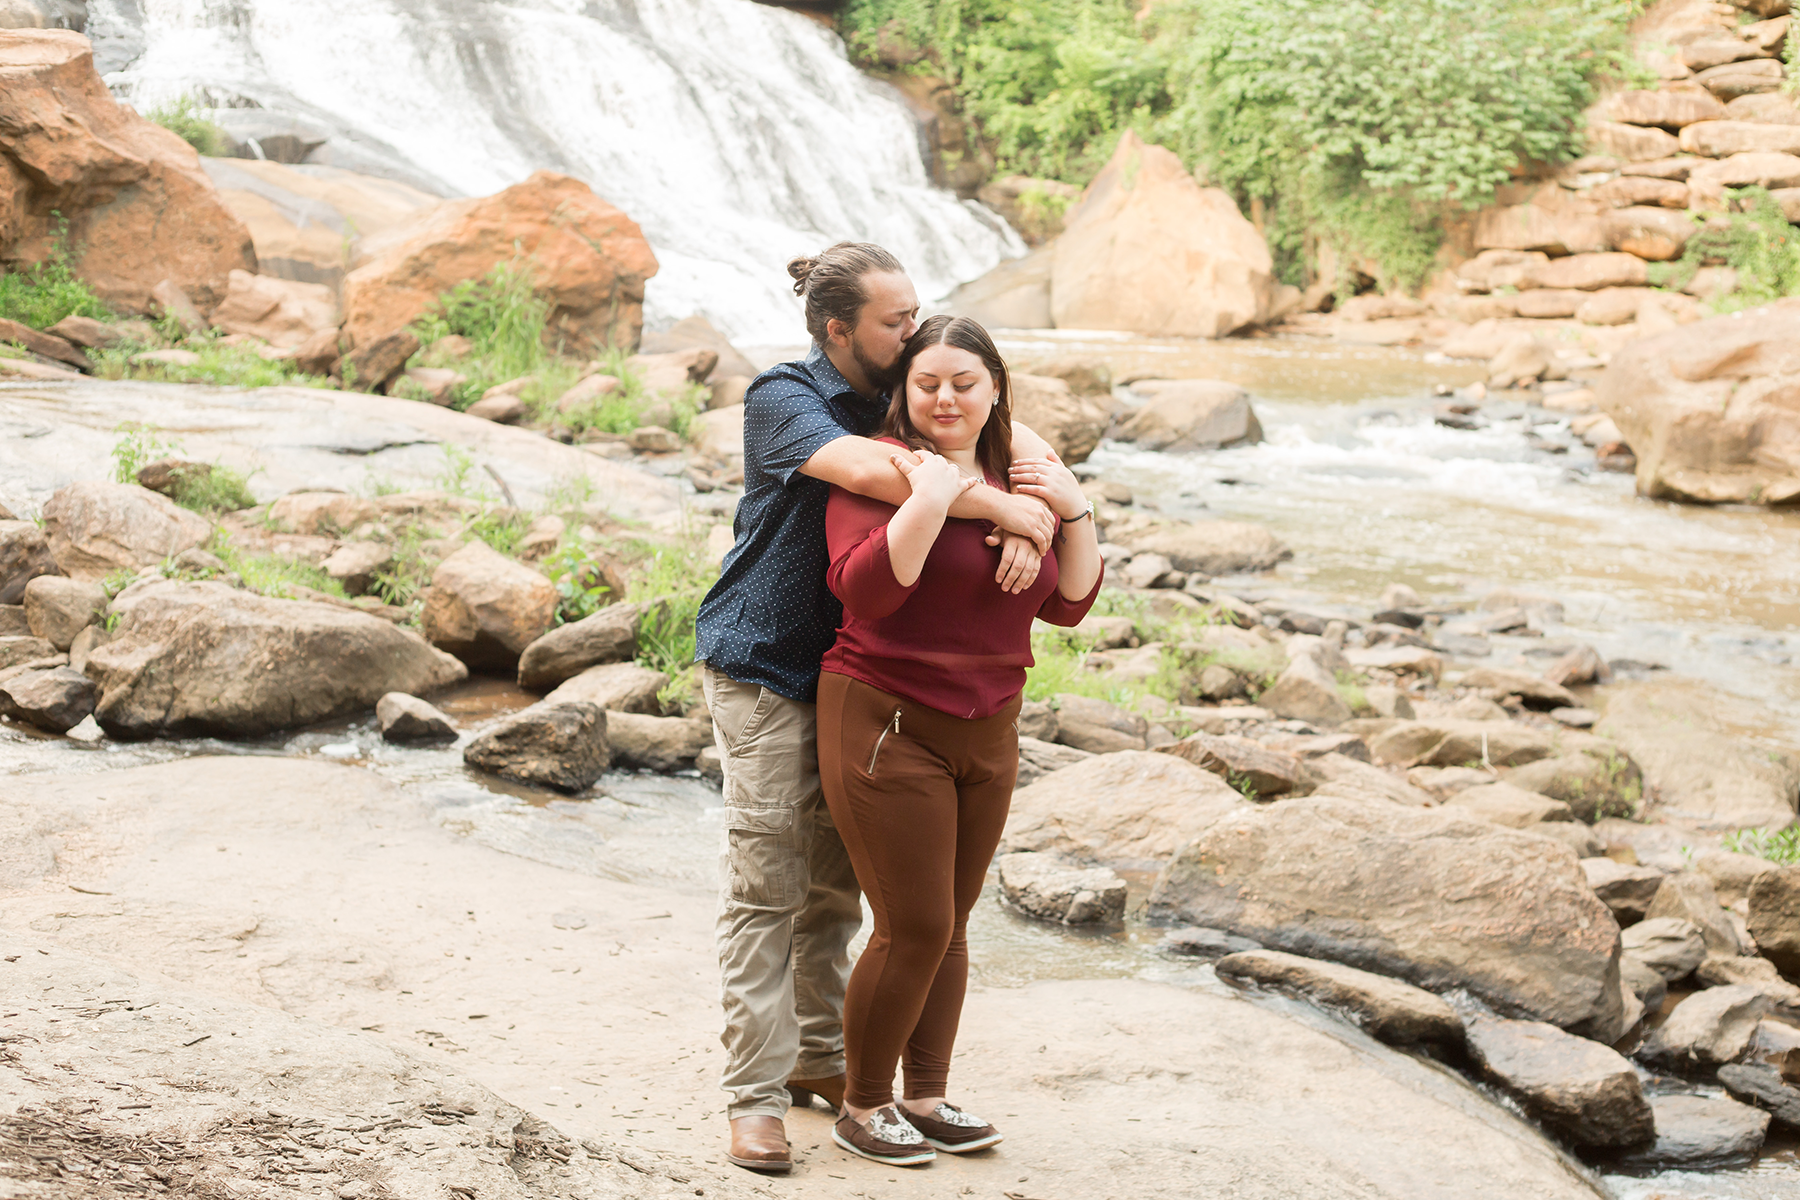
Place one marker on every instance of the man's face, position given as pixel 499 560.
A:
pixel 889 317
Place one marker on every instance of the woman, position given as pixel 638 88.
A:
pixel 917 701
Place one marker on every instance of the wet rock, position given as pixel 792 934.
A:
pixel 1150 250
pixel 95 529
pixel 1240 762
pixel 607 636
pixel 590 262
pixel 1039 758
pixel 1709 1027
pixel 1763 1087
pixel 615 687
pixel 1586 1091
pixel 1098 727
pixel 1694 1131
pixel 356 565
pixel 1774 917
pixel 1204 944
pixel 55 700
pixel 1197 414
pixel 1460 743
pixel 1387 1009
pixel 208 659
pixel 1532 691
pixel 1070 421
pixel 1504 804
pixel 1306 691
pixel 1213 547
pixel 1342 880
pixel 1689 896
pixel 663 744
pixel 57 608
pixel 405 718
pixel 1747 970
pixel 139 208
pixel 1046 887
pixel 1037 720
pixel 1132 807
pixel 24 555
pixel 1667 945
pixel 485 608
pixel 560 746
pixel 1626 890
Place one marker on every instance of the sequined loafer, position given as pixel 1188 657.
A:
pixel 886 1138
pixel 951 1129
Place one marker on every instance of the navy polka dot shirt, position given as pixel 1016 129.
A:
pixel 770 618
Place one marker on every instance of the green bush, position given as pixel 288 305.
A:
pixel 504 320
pixel 1776 845
pixel 580 584
pixel 181 118
pixel 669 581
pixel 1359 124
pixel 42 295
pixel 1757 242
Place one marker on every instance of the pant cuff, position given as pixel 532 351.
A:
pixel 758 1108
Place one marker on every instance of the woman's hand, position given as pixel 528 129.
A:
pixel 934 479
pixel 1050 481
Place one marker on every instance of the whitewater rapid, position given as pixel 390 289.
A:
pixel 737 135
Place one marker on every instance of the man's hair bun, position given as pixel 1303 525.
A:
pixel 801 269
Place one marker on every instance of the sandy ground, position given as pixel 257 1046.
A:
pixel 239 889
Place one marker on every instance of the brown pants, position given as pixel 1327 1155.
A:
pixel 920 798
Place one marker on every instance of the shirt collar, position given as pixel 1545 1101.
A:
pixel 831 380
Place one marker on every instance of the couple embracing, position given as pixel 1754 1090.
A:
pixel 865 651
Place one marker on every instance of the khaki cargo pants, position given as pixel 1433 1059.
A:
pixel 788 903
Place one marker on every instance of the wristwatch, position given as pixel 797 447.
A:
pixel 1087 512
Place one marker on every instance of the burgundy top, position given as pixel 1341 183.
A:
pixel 953 641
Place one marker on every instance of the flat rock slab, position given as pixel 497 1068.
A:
pixel 288 438
pixel 1274 1106
pixel 1587 1091
pixel 1388 1009
pixel 1133 807
pixel 1046 887
pixel 1696 1131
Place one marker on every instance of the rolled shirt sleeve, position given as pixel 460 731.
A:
pixel 792 423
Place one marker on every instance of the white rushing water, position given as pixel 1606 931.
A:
pixel 737 135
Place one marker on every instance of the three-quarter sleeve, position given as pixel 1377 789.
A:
pixel 861 575
pixel 1058 611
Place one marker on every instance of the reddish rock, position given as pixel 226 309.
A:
pixel 588 260
pixel 1671 110
pixel 1628 190
pixel 1656 234
pixel 1590 272
pixel 139 206
pixel 281 312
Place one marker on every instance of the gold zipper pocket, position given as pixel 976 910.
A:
pixel 892 727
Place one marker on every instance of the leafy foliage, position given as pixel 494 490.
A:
pixel 502 317
pixel 1359 123
pixel 220 365
pixel 669 581
pixel 580 584
pixel 1776 845
pixel 1757 242
pixel 138 446
pixel 42 295
pixel 182 118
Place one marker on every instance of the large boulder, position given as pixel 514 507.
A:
pixel 607 636
pixel 1433 897
pixel 560 746
pixel 485 608
pixel 588 261
pixel 1014 295
pixel 1584 1090
pixel 140 209
pixel 95 529
pixel 1200 414
pixel 208 659
pixel 405 718
pixel 1212 547
pixel 1710 409
pixel 1135 807
pixel 1072 422
pixel 1386 1008
pixel 1148 249
pixel 24 556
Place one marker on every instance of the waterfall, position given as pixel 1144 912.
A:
pixel 737 135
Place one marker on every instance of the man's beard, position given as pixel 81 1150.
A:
pixel 881 378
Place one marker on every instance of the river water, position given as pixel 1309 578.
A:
pixel 1366 487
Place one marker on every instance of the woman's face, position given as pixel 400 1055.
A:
pixel 949 394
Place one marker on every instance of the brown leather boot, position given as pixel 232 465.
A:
pixel 759 1143
pixel 829 1089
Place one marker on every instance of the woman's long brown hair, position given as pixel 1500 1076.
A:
pixel 993 449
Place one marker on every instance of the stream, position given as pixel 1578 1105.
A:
pixel 1367 489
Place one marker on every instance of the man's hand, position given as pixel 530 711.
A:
pixel 1019 561
pixel 1024 515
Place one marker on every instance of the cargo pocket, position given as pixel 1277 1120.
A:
pixel 764 862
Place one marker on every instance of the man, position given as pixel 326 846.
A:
pixel 789 904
